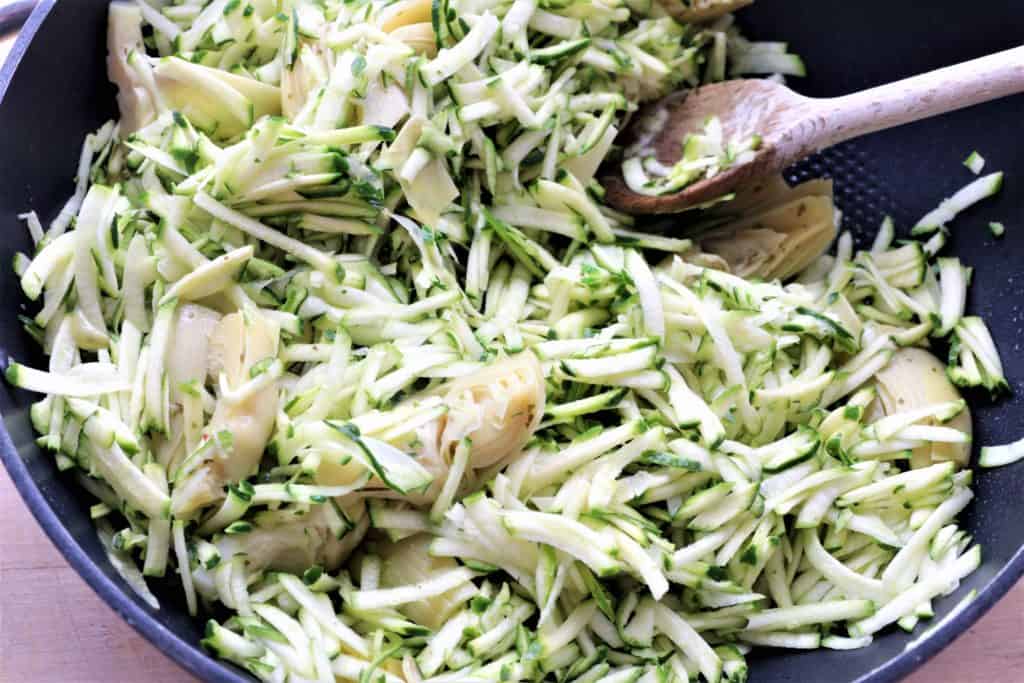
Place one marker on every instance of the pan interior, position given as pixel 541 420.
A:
pixel 60 93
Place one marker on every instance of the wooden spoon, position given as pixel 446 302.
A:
pixel 792 126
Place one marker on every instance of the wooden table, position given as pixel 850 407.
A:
pixel 54 629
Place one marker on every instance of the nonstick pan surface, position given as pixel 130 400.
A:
pixel 54 92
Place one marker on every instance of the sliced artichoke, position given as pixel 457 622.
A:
pixel 343 471
pixel 777 191
pixel 696 11
pixel 187 369
pixel 384 105
pixel 408 562
pixel 187 358
pixel 305 77
pixel 408 21
pixel 239 342
pixel 498 408
pixel 787 230
pixel 284 542
pixel 914 378
pixel 221 103
pixel 124 43
pixel 431 191
pixel 404 13
pixel 420 37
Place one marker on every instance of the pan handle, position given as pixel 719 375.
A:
pixel 14 14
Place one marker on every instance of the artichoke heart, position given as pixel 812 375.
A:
pixel 915 378
pixel 696 11
pixel 124 44
pixel 187 357
pixel 221 103
pixel 419 37
pixel 239 344
pixel 404 13
pixel 785 232
pixel 305 77
pixel 286 542
pixel 408 562
pixel 498 409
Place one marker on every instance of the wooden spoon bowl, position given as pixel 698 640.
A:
pixel 792 126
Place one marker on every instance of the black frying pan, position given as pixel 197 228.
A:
pixel 54 91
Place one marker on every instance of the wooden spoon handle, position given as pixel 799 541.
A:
pixel 920 97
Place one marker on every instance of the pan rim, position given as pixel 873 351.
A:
pixel 191 657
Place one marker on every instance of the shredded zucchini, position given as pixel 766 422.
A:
pixel 704 155
pixel 341 331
